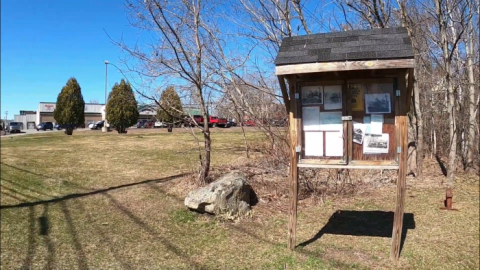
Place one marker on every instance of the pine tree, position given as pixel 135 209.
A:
pixel 70 108
pixel 122 110
pixel 171 106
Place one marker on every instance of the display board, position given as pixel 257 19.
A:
pixel 323 131
pixel 371 105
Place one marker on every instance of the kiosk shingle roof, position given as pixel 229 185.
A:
pixel 357 45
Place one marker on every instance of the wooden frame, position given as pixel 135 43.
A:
pixel 344 66
pixel 305 74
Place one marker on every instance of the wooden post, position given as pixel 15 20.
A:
pixel 401 121
pixel 283 87
pixel 292 224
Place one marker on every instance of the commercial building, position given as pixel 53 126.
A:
pixel 93 113
pixel 26 118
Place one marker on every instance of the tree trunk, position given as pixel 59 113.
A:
pixel 244 137
pixel 471 105
pixel 452 155
pixel 419 126
pixel 205 161
pixel 69 131
pixel 416 95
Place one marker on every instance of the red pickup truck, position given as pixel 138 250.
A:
pixel 223 122
pixel 212 120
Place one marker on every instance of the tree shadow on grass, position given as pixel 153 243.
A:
pixel 27 264
pixel 81 258
pixel 32 242
pixel 112 247
pixel 93 192
pixel 442 165
pixel 363 223
pixel 171 247
pixel 45 232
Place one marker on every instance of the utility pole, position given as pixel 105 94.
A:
pixel 104 128
pixel 6 122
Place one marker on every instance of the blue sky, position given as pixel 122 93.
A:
pixel 44 43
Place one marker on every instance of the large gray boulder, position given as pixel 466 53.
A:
pixel 230 194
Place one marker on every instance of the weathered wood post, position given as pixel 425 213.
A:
pixel 401 122
pixel 292 224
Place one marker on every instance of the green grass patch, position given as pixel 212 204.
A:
pixel 109 201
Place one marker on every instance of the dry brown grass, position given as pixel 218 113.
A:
pixel 126 213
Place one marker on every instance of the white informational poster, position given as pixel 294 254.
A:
pixel 376 124
pixel 378 103
pixel 359 132
pixel 311 118
pixel 373 144
pixel 312 95
pixel 331 121
pixel 333 144
pixel 332 95
pixel 314 144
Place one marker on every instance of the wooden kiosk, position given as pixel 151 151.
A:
pixel 348 96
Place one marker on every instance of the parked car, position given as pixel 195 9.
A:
pixel 90 122
pixel 141 123
pixel 14 127
pixel 44 126
pixel 249 123
pixel 97 125
pixel 60 127
pixel 279 123
pixel 212 120
pixel 223 122
pixel 159 124
pixel 148 124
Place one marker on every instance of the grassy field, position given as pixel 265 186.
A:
pixel 109 201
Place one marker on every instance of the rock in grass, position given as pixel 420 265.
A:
pixel 230 194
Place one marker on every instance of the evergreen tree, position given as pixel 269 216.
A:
pixel 122 110
pixel 170 106
pixel 70 108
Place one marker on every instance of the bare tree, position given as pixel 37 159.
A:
pixel 470 50
pixel 446 13
pixel 180 35
pixel 376 13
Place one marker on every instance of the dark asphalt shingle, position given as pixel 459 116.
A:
pixel 386 43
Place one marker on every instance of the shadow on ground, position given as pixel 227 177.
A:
pixel 77 195
pixel 363 223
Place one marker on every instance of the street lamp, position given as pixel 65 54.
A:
pixel 6 122
pixel 104 128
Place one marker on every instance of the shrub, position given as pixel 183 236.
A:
pixel 122 110
pixel 70 108
pixel 171 106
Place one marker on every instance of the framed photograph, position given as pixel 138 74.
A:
pixel 359 132
pixel 376 144
pixel 378 103
pixel 333 97
pixel 312 95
